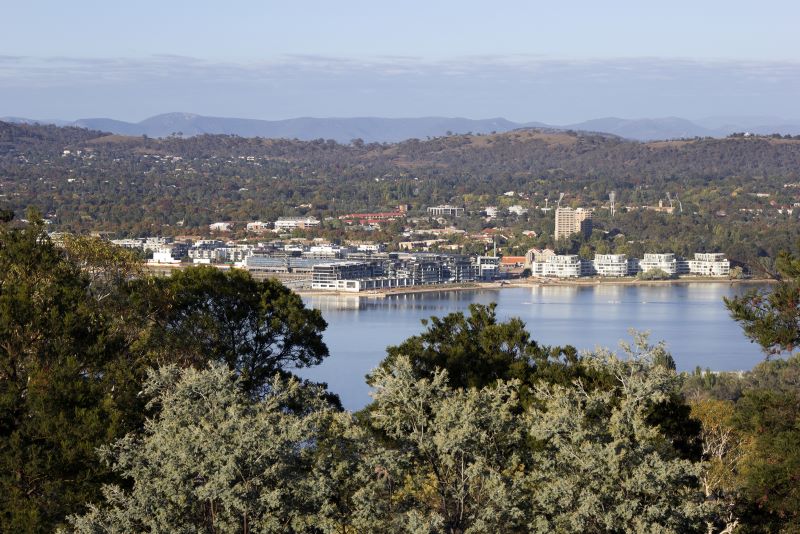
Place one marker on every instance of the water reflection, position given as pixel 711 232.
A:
pixel 690 317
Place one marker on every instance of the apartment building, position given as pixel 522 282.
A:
pixel 221 226
pixel 445 210
pixel 258 227
pixel 290 223
pixel 664 262
pixel 709 264
pixel 572 221
pixel 558 266
pixel 610 265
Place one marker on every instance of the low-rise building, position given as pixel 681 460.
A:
pixel 610 265
pixel 324 251
pixel 488 267
pixel 664 262
pixel 290 223
pixel 165 255
pixel 710 264
pixel 221 226
pixel 258 227
pixel 445 210
pixel 558 266
pixel 371 218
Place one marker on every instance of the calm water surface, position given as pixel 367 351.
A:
pixel 690 317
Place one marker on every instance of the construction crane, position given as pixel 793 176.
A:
pixel 680 204
pixel 560 198
pixel 669 198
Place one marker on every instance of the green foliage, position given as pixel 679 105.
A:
pixel 428 458
pixel 202 314
pixel 65 385
pixel 772 318
pixel 604 468
pixel 751 430
pixel 454 454
pixel 769 415
pixel 212 460
pixel 76 338
pixel 476 350
pixel 653 274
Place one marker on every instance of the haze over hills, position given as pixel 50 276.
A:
pixel 376 129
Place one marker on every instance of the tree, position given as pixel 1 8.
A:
pixel 203 314
pixel 723 450
pixel 601 467
pixel 772 318
pixel 66 386
pixel 476 350
pixel 212 459
pixel 586 252
pixel 768 416
pixel 453 457
pixel 654 274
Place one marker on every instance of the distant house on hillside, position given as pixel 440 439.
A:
pixel 221 226
pixel 290 223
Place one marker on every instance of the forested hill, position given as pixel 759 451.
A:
pixel 89 180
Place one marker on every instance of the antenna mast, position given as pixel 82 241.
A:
pixel 612 197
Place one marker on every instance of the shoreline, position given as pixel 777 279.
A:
pixel 526 283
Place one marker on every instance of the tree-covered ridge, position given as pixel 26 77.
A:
pixel 142 185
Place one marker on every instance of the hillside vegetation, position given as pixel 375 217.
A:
pixel 734 192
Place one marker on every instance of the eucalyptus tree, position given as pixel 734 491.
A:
pixel 201 314
pixel 66 386
pixel 212 459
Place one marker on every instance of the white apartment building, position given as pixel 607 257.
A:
pixel 558 266
pixel 370 247
pixel 445 210
pixel 710 264
pixel 324 251
pixel 665 262
pixel 517 210
pixel 491 211
pixel 221 227
pixel 610 264
pixel 488 267
pixel 290 223
pixel 164 255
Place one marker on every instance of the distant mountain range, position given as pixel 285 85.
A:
pixel 374 129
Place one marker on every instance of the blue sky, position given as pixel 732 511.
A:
pixel 557 62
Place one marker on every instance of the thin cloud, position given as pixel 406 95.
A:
pixel 519 87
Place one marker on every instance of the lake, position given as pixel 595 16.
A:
pixel 690 317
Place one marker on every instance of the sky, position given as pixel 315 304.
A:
pixel 555 62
